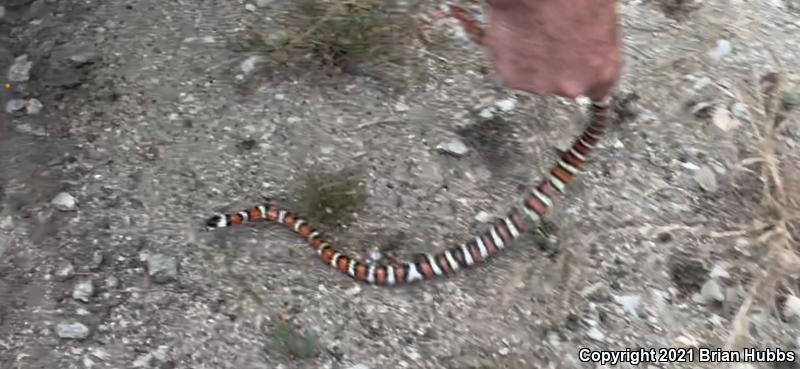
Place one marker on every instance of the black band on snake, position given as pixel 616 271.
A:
pixel 525 215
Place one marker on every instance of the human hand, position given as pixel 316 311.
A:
pixel 555 47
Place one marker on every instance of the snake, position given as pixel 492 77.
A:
pixel 526 214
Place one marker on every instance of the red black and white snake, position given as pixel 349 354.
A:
pixel 525 215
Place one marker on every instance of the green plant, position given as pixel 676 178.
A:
pixel 290 341
pixel 340 33
pixel 331 199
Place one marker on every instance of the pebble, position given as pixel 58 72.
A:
pixel 483 217
pixel 487 113
pixel 710 292
pixel 707 180
pixel 690 166
pixel 401 107
pixel 162 268
pixel 454 147
pixel 723 48
pixel 504 351
pixel 73 330
pixel 792 306
pixel 66 271
pixel 249 64
pixel 630 303
pixel 99 353
pixel 65 202
pixel 28 129
pixel 112 282
pixel 83 290
pixel 33 107
pixel 740 111
pixel 352 291
pixel 20 70
pixel 719 271
pixel 506 105
pixel 15 105
pixel 595 334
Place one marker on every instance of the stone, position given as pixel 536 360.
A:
pixel 65 202
pixel 706 179
pixel 33 107
pixel 83 290
pixel 454 147
pixel 74 330
pixel 20 70
pixel 162 268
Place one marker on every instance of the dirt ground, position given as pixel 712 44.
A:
pixel 149 122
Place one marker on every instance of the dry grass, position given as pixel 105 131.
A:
pixel 358 36
pixel 775 234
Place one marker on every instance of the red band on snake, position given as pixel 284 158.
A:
pixel 527 214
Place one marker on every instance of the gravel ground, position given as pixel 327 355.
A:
pixel 128 123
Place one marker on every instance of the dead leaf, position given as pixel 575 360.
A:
pixel 722 118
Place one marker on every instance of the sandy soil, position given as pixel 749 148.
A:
pixel 150 123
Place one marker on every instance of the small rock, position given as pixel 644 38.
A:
pixel 691 166
pixel 686 341
pixel 487 113
pixel 740 111
pixel 20 70
pixel 723 48
pixel 28 129
pixel 483 217
pixel 15 105
pixel 100 354
pixel 352 291
pixel 249 64
pixel 250 7
pixel 66 271
pixel 81 59
pixel 427 298
pixel 83 290
pixel 401 107
pixel 719 271
pixel 710 292
pixel 74 330
pixel 359 366
pixel 65 202
pixel 707 180
pixel 504 351
pixel 162 268
pixel 630 303
pixel 506 105
pixel 33 107
pixel 111 282
pixel 454 147
pixel 792 306
pixel 723 120
pixel 595 334
pixel 142 361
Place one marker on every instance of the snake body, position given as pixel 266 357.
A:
pixel 534 204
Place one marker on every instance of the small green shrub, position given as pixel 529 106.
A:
pixel 332 199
